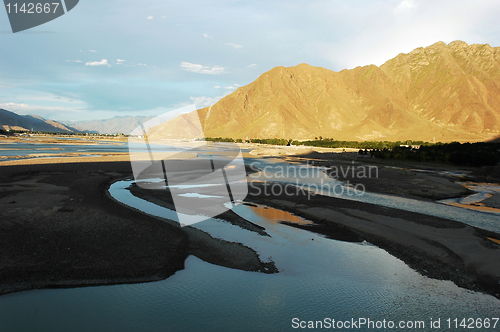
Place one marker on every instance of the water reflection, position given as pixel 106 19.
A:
pixel 488 192
pixel 265 215
pixel 268 214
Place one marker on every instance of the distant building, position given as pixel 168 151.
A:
pixel 413 147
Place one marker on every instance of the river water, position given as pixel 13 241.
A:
pixel 319 278
pixel 25 149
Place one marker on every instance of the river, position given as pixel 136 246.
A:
pixel 319 278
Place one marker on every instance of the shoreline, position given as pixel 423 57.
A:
pixel 60 228
pixel 436 247
pixel 62 139
pixel 426 181
pixel 77 216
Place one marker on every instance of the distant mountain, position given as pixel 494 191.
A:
pixel 114 125
pixel 442 92
pixel 12 121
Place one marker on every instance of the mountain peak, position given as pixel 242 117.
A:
pixel 442 92
pixel 458 44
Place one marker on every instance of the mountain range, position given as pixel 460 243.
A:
pixel 12 121
pixel 118 124
pixel 125 124
pixel 443 92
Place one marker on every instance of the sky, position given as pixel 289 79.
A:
pixel 122 57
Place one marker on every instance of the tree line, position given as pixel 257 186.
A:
pixel 465 154
pixel 471 154
pixel 331 143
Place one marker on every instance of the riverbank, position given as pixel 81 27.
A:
pixel 423 181
pixel 62 139
pixel 31 150
pixel 60 228
pixel 436 247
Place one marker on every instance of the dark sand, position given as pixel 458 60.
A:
pixel 59 228
pixel 392 177
pixel 436 247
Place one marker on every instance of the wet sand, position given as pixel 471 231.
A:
pixel 59 228
pixel 398 178
pixel 492 202
pixel 436 247
pixel 66 158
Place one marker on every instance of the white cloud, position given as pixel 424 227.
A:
pixel 150 17
pixel 216 86
pixel 200 69
pixel 103 62
pixel 230 88
pixel 120 60
pixel 253 65
pixel 206 35
pixel 237 85
pixel 74 61
pixel 93 51
pixel 234 45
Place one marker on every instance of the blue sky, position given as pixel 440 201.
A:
pixel 109 58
